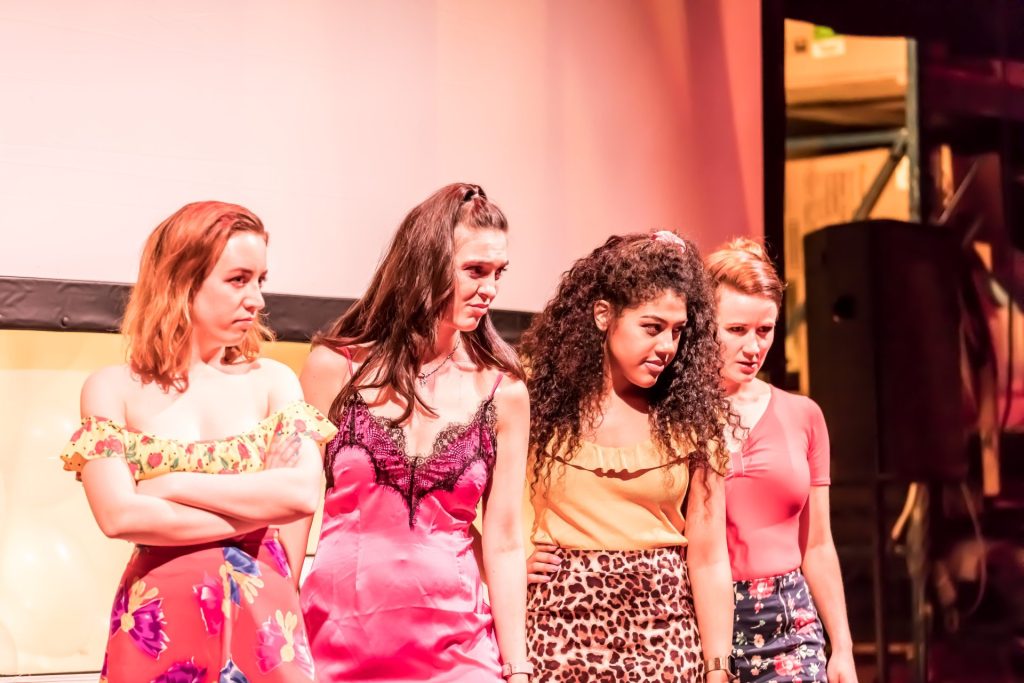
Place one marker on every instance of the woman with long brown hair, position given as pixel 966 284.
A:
pixel 627 417
pixel 433 419
pixel 207 592
pixel 783 559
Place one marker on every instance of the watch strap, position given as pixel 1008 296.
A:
pixel 720 664
pixel 516 668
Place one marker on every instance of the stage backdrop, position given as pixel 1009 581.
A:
pixel 330 119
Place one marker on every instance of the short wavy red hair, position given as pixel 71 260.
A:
pixel 178 256
pixel 744 265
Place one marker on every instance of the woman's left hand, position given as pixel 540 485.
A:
pixel 283 452
pixel 841 668
pixel 542 563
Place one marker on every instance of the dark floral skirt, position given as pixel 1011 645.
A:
pixel 778 636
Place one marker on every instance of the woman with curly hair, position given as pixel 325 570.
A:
pixel 434 420
pixel 777 504
pixel 627 415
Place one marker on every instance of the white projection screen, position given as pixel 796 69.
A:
pixel 330 119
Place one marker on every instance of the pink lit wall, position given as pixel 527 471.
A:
pixel 332 118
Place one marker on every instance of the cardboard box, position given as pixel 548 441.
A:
pixel 823 191
pixel 823 66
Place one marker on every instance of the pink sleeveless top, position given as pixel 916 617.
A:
pixel 395 591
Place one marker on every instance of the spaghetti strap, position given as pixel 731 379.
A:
pixel 494 389
pixel 343 350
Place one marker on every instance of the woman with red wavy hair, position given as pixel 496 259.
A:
pixel 207 593
pixel 784 564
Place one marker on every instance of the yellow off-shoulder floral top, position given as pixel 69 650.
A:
pixel 148 456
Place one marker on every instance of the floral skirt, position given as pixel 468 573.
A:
pixel 778 636
pixel 612 616
pixel 225 612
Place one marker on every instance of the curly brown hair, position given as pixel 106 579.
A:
pixel 564 352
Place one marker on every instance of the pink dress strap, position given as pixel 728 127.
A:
pixel 348 357
pixel 494 389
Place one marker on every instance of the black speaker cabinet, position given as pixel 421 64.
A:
pixel 883 333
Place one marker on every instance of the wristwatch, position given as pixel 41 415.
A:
pixel 517 668
pixel 720 664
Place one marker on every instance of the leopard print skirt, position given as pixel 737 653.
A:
pixel 615 616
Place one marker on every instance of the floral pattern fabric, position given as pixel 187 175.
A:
pixel 149 456
pixel 777 637
pixel 223 612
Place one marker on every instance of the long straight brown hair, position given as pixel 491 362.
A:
pixel 397 317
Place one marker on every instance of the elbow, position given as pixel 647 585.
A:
pixel 509 547
pixel 502 543
pixel 297 495
pixel 287 510
pixel 707 552
pixel 116 526
pixel 821 547
pixel 306 494
pixel 112 530
pixel 306 506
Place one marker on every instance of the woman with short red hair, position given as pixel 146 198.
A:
pixel 207 593
pixel 784 564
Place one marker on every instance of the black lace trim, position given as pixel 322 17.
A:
pixel 456 447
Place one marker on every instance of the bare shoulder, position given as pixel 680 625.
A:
pixel 280 381
pixel 106 391
pixel 512 397
pixel 274 370
pixel 324 362
pixel 324 374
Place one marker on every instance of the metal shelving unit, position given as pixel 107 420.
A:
pixel 875 497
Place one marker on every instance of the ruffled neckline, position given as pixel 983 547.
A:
pixel 638 457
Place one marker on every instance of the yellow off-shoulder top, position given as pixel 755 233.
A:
pixel 149 456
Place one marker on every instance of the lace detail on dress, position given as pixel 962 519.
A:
pixel 414 477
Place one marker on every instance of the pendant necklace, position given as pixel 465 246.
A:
pixel 424 376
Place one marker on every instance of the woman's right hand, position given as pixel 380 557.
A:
pixel 542 563
pixel 283 452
